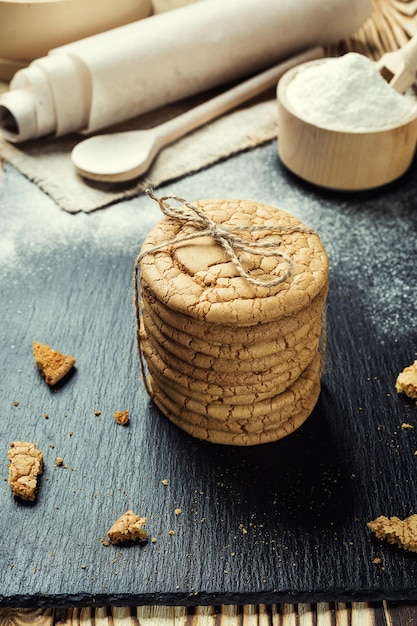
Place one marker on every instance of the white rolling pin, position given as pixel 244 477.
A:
pixel 96 82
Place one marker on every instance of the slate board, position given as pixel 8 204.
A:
pixel 283 522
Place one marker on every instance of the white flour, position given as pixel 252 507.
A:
pixel 347 93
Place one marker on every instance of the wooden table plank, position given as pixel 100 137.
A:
pixel 321 614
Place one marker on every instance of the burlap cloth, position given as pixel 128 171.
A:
pixel 47 162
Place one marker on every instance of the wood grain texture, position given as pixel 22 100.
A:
pixel 342 160
pixel 321 614
pixel 391 24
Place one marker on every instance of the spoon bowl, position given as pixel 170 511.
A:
pixel 116 157
pixel 342 160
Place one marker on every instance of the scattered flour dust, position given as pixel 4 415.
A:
pixel 347 93
pixel 32 226
pixel 381 285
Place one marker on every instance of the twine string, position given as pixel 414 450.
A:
pixel 226 237
pixel 138 315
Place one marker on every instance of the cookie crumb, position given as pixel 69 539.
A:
pixel 171 532
pixel 59 460
pixel 129 527
pixel 121 417
pixel 53 365
pixel 15 403
pixel 407 381
pixel 26 464
pixel 97 413
pixel 104 542
pixel 165 482
pixel 178 511
pixel 396 531
pixel 405 425
pixel 376 560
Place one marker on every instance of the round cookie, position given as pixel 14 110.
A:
pixel 228 391
pixel 258 413
pixel 281 340
pixel 196 377
pixel 177 355
pixel 237 333
pixel 277 431
pixel 228 395
pixel 235 362
pixel 197 277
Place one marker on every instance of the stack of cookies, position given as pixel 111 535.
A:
pixel 232 337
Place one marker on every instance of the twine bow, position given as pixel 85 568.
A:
pixel 226 237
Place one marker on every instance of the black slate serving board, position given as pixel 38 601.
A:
pixel 284 522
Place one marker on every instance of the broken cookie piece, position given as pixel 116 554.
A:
pixel 121 417
pixel 396 531
pixel 407 381
pixel 53 365
pixel 26 464
pixel 129 527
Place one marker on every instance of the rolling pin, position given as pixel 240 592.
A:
pixel 111 77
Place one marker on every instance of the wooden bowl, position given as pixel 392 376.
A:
pixel 28 30
pixel 342 160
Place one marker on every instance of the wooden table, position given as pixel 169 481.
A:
pixel 352 614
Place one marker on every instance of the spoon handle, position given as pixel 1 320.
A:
pixel 399 66
pixel 409 54
pixel 181 125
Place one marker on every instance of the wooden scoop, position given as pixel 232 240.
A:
pixel 399 67
pixel 127 155
pixel 342 159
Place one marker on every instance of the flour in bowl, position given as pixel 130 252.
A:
pixel 347 93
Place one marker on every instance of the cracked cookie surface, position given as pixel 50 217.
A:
pixel 199 279
pixel 229 361
pixel 26 464
pixel 128 527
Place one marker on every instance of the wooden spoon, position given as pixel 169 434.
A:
pixel 127 155
pixel 399 67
